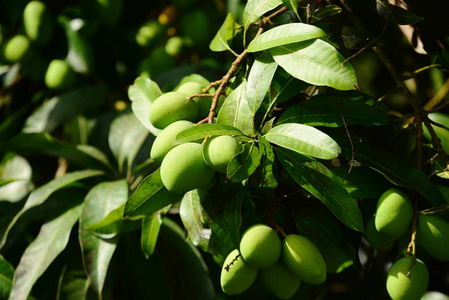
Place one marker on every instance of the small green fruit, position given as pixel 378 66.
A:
pixel 38 22
pixel 171 107
pixel 204 103
pixel 17 49
pixel 183 169
pixel 260 246
pixel 236 274
pixel 59 75
pixel 394 213
pixel 403 287
pixel 279 280
pixel 174 45
pixel 304 259
pixel 433 236
pixel 374 237
pixel 163 142
pixel 149 33
pixel 218 152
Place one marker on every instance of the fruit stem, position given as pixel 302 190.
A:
pixel 411 249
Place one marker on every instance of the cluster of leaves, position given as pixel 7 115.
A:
pixel 321 144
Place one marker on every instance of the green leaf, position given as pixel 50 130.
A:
pixel 284 86
pixel 285 34
pixel 292 5
pixel 6 277
pixel 326 11
pixel 64 107
pixel 266 178
pixel 150 231
pixel 244 164
pixel 316 62
pixel 149 197
pixel 97 252
pixel 394 168
pixel 74 285
pixel 43 143
pixel 259 80
pixel 328 236
pixel 236 112
pixel 333 111
pixel 193 218
pixel 15 177
pixel 320 182
pixel 41 194
pixel 142 93
pixel 126 136
pixel 254 9
pixel 53 237
pixel 184 267
pixel 224 36
pixel 304 139
pixel 202 130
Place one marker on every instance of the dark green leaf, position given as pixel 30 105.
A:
pixel 207 129
pixel 254 9
pixel 224 36
pixel 292 5
pixel 266 177
pixel 149 197
pixel 326 11
pixel 244 164
pixel 316 62
pixel 6 277
pixel 320 182
pixel 259 80
pixel 303 139
pixel 285 86
pixel 53 237
pixel 150 232
pixel 74 285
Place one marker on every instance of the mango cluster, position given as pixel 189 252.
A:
pixel 191 165
pixel 280 265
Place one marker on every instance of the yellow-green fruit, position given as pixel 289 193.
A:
pixel 394 213
pixel 38 22
pixel 183 169
pixel 279 280
pixel 442 133
pixel 236 274
pixel 59 75
pixel 433 236
pixel 304 259
pixel 374 237
pixel 174 45
pixel 171 107
pixel 260 246
pixel 204 103
pixel 163 142
pixel 150 33
pixel 17 49
pixel 218 152
pixel 403 287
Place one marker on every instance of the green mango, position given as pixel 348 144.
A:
pixel 218 152
pixel 150 33
pixel 394 213
pixel 403 287
pixel 59 75
pixel 38 22
pixel 433 236
pixel 183 169
pixel 304 259
pixel 236 274
pixel 279 280
pixel 171 107
pixel 163 142
pixel 442 133
pixel 374 237
pixel 204 103
pixel 260 246
pixel 174 45
pixel 17 49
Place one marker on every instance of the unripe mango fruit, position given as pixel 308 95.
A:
pixel 236 274
pixel 394 213
pixel 279 280
pixel 38 22
pixel 17 49
pixel 204 103
pixel 171 107
pixel 260 246
pixel 433 236
pixel 304 259
pixel 59 75
pixel 403 287
pixel 163 142
pixel 374 237
pixel 218 152
pixel 183 169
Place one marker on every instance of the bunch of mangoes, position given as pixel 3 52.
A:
pixel 280 265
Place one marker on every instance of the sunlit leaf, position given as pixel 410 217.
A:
pixel 254 9
pixel 150 232
pixel 207 129
pixel 15 174
pixel 259 80
pixel 326 11
pixel 224 36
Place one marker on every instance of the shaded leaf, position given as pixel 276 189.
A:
pixel 113 223
pixel 316 62
pixel 320 182
pixel 292 5
pixel 303 139
pixel 244 164
pixel 149 197
pixel 326 11
pixel 284 86
pixel 285 34
pixel 53 237
pixel 150 232
pixel 6 277
pixel 74 285
pixel 259 80
pixel 202 130
pixel 266 177
pixel 254 9
pixel 224 36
